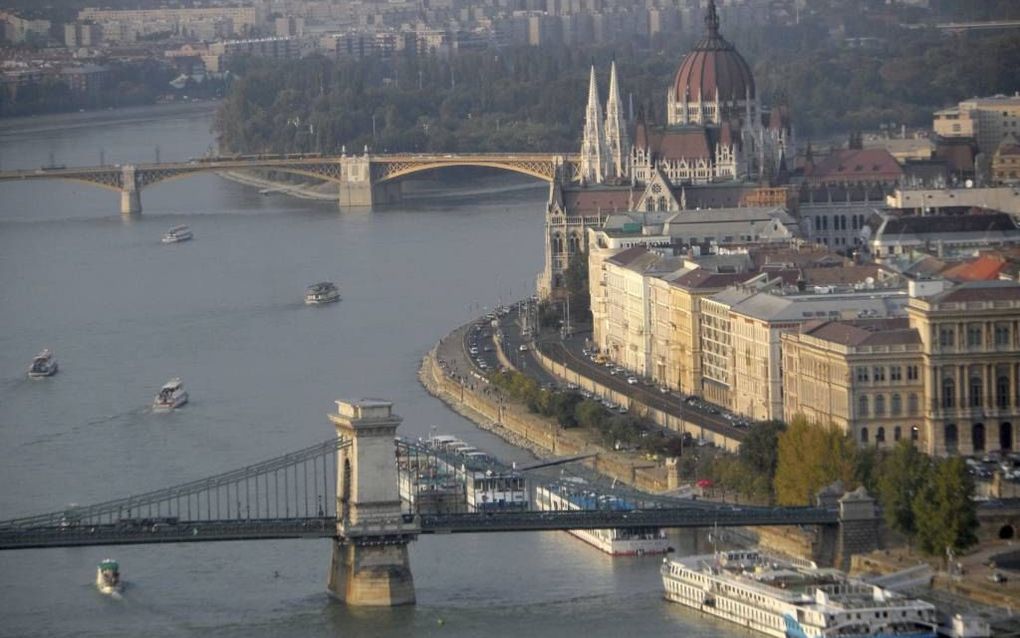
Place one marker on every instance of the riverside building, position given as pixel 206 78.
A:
pixel 945 376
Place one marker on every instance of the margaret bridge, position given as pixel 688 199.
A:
pixel 362 180
pixel 347 489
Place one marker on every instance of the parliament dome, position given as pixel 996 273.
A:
pixel 713 65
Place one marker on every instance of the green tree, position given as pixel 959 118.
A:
pixel 812 456
pixel 576 279
pixel 944 510
pixel 902 475
pixel 760 449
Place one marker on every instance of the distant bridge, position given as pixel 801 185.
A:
pixel 363 180
pixel 346 489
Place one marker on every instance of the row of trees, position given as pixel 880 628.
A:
pixel 533 99
pixel 928 500
pixel 571 409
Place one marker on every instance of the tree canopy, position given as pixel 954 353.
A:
pixel 812 456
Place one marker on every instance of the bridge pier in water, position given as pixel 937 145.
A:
pixel 130 193
pixel 358 188
pixel 370 564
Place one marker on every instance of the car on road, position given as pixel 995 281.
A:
pixel 523 347
pixel 473 350
pixel 632 380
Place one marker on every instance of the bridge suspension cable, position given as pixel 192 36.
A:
pixel 299 484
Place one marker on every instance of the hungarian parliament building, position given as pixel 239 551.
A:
pixel 717 133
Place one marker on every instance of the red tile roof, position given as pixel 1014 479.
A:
pixel 983 268
pixel 590 201
pixel 855 165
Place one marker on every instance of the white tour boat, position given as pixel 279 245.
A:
pixel 177 234
pixel 615 542
pixel 321 293
pixel 790 598
pixel 171 395
pixel 108 576
pixel 43 365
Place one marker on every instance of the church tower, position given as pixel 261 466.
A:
pixel 594 155
pixel 616 131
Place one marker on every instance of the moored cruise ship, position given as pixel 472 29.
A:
pixel 615 541
pixel 445 466
pixel 793 599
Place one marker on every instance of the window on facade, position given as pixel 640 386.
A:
pixel 862 406
pixel 896 405
pixel 878 373
pixel 895 373
pixel 947 337
pixel 1001 335
pixel 880 435
pixel 912 404
pixel 911 373
pixel 975 392
pixel 862 373
pixel 974 336
pixel 1002 392
pixel 951 437
pixel 948 393
pixel 880 405
pixel 897 433
pixel 915 433
pixel 977 437
pixel 864 435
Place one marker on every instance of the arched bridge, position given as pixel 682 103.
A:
pixel 348 489
pixel 363 180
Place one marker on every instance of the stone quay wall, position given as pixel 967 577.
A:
pixel 493 412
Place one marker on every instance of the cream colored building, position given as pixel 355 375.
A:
pixel 741 340
pixel 970 354
pixel 986 119
pixel 948 378
pixel 627 338
pixel 681 369
pixel 864 376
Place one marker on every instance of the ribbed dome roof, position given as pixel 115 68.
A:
pixel 713 64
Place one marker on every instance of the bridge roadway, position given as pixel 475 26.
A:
pixel 384 167
pixel 699 515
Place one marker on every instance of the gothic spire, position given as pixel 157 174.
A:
pixel 593 146
pixel 616 129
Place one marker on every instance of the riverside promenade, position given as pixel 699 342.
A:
pixel 448 373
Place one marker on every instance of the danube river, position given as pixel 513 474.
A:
pixel 123 313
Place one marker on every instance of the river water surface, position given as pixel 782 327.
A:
pixel 124 313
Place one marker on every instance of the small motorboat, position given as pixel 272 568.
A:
pixel 171 396
pixel 177 234
pixel 108 576
pixel 322 292
pixel 43 365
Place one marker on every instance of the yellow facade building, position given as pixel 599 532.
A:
pixel 946 376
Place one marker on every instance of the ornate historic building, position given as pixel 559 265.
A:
pixel 945 376
pixel 717 135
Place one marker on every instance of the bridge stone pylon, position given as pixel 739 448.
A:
pixel 130 192
pixel 370 564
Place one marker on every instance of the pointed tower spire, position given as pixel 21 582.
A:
pixel 617 142
pixel 593 146
pixel 712 19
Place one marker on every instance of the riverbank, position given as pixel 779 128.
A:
pixel 131 115
pixel 473 398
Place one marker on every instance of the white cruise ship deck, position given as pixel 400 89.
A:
pixel 793 599
pixel 616 542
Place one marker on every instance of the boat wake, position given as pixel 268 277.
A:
pixel 103 420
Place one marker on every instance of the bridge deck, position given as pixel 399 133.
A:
pixel 14 537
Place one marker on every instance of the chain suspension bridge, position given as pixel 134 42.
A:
pixel 346 489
